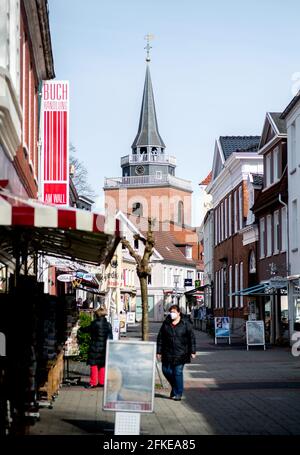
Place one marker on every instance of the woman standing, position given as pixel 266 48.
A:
pixel 100 331
pixel 175 347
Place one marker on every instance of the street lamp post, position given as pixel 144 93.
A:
pixel 176 281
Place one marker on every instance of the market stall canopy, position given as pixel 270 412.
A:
pixel 70 233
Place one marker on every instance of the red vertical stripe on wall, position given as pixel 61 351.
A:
pixel 54 145
pixel 64 161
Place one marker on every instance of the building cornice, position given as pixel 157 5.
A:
pixel 37 15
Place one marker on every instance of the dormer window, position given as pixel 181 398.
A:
pixel 188 252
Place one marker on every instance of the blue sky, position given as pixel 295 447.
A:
pixel 216 66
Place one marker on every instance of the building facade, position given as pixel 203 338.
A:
pixel 235 159
pixel 292 117
pixel 270 210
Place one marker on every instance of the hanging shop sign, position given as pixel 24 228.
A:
pixel 222 328
pixel 66 278
pixel 55 142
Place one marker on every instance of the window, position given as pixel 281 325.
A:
pixel 216 227
pixel 276 164
pixel 293 146
pixel 150 279
pixel 158 175
pixel 284 232
pixel 268 169
pixel 137 209
pixel 236 283
pixel 229 216
pixel 240 208
pixel 170 274
pixel 165 276
pixel 123 246
pixel 216 290
pixel 136 244
pixel 222 222
pixel 188 252
pixel 235 210
pixel 190 274
pixel 294 225
pixel 252 262
pixel 241 283
pixel 222 288
pixel 225 220
pixel 180 212
pixel 219 223
pixel 276 231
pixel 269 235
pixel 262 237
pixel 230 286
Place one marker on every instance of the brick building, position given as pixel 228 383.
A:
pixel 270 210
pixel 236 165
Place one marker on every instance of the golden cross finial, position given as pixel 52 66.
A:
pixel 148 37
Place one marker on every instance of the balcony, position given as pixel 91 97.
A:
pixel 160 158
pixel 147 180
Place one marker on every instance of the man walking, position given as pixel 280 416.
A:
pixel 176 346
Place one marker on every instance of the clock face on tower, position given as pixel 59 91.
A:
pixel 139 170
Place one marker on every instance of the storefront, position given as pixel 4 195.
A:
pixel 34 323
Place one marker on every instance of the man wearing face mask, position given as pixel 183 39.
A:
pixel 176 346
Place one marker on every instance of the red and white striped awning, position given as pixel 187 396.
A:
pixel 65 232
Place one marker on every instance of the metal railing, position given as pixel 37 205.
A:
pixel 148 158
pixel 147 180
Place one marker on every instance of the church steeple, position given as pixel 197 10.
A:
pixel 148 136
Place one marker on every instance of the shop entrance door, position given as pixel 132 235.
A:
pixel 139 308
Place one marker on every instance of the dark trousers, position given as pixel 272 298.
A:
pixel 174 375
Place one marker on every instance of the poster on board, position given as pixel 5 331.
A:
pixel 222 328
pixel 123 322
pixel 130 376
pixel 130 317
pixel 255 333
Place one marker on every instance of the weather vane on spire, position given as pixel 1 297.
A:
pixel 148 37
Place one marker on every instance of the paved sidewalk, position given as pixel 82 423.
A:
pixel 228 390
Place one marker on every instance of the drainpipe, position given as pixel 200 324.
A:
pixel 291 315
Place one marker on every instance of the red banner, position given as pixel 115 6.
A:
pixel 55 142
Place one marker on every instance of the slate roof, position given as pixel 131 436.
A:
pixel 148 127
pixel 258 179
pixel 290 105
pixel 231 144
pixel 279 122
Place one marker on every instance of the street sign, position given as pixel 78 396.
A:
pixel 278 282
pixel 188 282
pixel 66 278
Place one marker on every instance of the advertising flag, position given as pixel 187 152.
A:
pixel 55 142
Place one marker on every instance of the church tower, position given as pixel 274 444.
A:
pixel 148 186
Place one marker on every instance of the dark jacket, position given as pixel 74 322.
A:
pixel 100 330
pixel 176 343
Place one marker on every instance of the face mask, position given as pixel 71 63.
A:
pixel 173 315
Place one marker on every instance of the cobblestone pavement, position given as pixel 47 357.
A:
pixel 228 390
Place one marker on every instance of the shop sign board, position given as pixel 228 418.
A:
pixel 54 121
pixel 123 322
pixel 116 329
pixel 222 328
pixel 130 376
pixel 255 333
pixel 66 278
pixel 130 317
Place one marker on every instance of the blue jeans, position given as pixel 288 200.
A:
pixel 174 375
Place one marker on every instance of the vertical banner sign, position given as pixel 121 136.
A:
pixel 55 142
